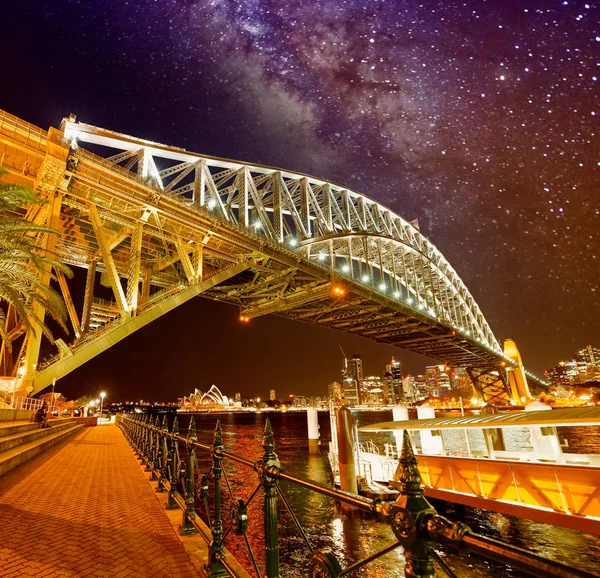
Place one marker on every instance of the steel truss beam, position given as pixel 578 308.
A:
pixel 299 234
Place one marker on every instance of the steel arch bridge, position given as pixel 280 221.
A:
pixel 160 225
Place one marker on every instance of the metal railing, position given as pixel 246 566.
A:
pixel 418 529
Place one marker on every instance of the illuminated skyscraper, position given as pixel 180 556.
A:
pixel 351 379
pixel 272 396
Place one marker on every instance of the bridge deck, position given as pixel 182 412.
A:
pixel 85 508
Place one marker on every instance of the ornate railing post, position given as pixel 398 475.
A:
pixel 172 467
pixel 154 464
pixel 267 469
pixel 149 444
pixel 409 516
pixel 163 452
pixel 215 565
pixel 189 513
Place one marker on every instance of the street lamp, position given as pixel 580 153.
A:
pixel 102 396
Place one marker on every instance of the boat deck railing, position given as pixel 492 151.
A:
pixel 418 529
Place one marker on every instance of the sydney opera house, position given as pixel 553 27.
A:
pixel 213 399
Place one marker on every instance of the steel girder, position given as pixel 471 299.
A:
pixel 163 217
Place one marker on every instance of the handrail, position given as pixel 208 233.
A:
pixel 415 523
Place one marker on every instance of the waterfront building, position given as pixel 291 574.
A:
pixel 212 399
pixel 373 391
pixel 408 388
pixel 238 397
pixel 335 393
pixel 395 385
pixel 351 380
pixel 438 379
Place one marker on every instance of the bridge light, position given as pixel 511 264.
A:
pixel 244 318
pixel 321 256
pixel 293 242
pixel 432 311
pixel 257 225
pixel 345 268
pixel 365 278
pixel 397 294
pixel 212 204
pixel 410 300
pixel 338 291
pixel 382 287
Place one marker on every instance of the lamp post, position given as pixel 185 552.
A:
pixel 53 386
pixel 102 396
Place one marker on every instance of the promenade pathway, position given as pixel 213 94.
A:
pixel 85 508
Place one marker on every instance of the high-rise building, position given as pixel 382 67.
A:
pixel 351 380
pixel 373 391
pixel 335 393
pixel 272 396
pixel 591 357
pixel 394 378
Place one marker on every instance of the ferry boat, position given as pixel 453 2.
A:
pixel 545 483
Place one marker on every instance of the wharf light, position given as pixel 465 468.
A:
pixel 244 318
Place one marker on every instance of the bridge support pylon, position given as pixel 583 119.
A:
pixel 516 376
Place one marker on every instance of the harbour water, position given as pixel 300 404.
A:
pixel 353 536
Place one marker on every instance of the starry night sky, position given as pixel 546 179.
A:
pixel 479 119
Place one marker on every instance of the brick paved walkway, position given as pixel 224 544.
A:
pixel 85 508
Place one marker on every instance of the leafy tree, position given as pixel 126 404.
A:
pixel 22 264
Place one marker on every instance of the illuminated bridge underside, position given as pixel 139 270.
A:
pixel 150 222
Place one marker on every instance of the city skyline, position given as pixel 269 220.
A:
pixel 477 121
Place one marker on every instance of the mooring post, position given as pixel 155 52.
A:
pixel 268 469
pixel 215 565
pixel 171 503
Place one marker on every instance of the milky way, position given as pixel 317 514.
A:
pixel 480 119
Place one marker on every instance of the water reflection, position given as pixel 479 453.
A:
pixel 354 536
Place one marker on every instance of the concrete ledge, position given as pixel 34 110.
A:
pixel 15 414
pixel 87 421
pixel 14 457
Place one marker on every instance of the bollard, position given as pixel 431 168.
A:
pixel 189 513
pixel 163 451
pixel 269 467
pixel 171 503
pixel 345 443
pixel 215 566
